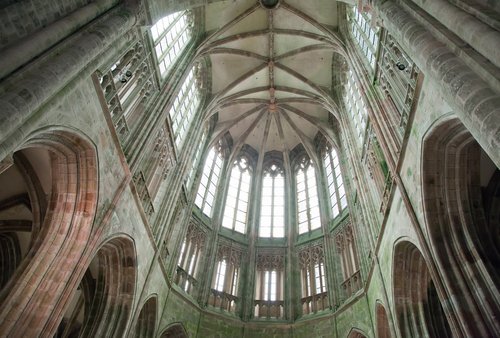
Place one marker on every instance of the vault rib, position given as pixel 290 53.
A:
pixel 327 132
pixel 232 51
pixel 241 141
pixel 306 141
pixel 231 23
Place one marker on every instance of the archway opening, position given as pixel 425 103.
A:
pixel 383 329
pixel 47 209
pixel 461 189
pixel 146 322
pixel 418 309
pixel 25 189
pixel 176 330
pixel 101 304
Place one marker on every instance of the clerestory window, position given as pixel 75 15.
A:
pixel 336 190
pixel 308 215
pixel 171 35
pixel 205 196
pixel 236 208
pixel 365 36
pixel 355 106
pixel 195 162
pixel 184 108
pixel 272 210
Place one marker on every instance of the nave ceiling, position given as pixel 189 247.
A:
pixel 271 71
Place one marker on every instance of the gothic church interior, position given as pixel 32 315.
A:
pixel 250 168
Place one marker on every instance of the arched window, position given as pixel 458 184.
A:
pixel 335 183
pixel 171 35
pixel 205 196
pixel 190 255
pixel 235 211
pixel 184 107
pixel 313 279
pixel 224 291
pixel 307 197
pixel 195 162
pixel 355 106
pixel 269 279
pixel 365 36
pixel 272 210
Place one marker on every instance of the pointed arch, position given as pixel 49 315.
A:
pixel 383 328
pixel 115 269
pixel 146 322
pixel 356 333
pixel 418 308
pixel 39 281
pixel 464 239
pixel 175 330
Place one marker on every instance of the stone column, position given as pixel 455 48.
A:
pixel 473 100
pixel 479 35
pixel 24 50
pixel 24 94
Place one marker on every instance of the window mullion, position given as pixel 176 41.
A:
pixel 237 202
pixel 272 206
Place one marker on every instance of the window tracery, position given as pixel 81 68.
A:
pixel 184 107
pixel 313 278
pixel 364 34
pixel 355 106
pixel 224 292
pixel 207 189
pixel 272 212
pixel 308 215
pixel 398 76
pixel 189 258
pixel 196 162
pixel 269 275
pixel 171 35
pixel 236 208
pixel 335 182
pixel 346 248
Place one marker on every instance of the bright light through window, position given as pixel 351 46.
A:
pixel 355 106
pixel 205 197
pixel 307 198
pixel 335 183
pixel 272 212
pixel 235 211
pixel 221 275
pixel 270 285
pixel 184 108
pixel 365 36
pixel 171 35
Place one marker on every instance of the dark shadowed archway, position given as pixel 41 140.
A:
pixel 146 323
pixel 175 330
pixel 418 309
pixel 460 193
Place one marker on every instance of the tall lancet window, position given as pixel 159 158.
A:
pixel 272 210
pixel 195 162
pixel 235 211
pixel 335 183
pixel 205 197
pixel 364 34
pixel 184 108
pixel 171 35
pixel 356 106
pixel 307 197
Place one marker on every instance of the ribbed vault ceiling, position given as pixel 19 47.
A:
pixel 271 71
